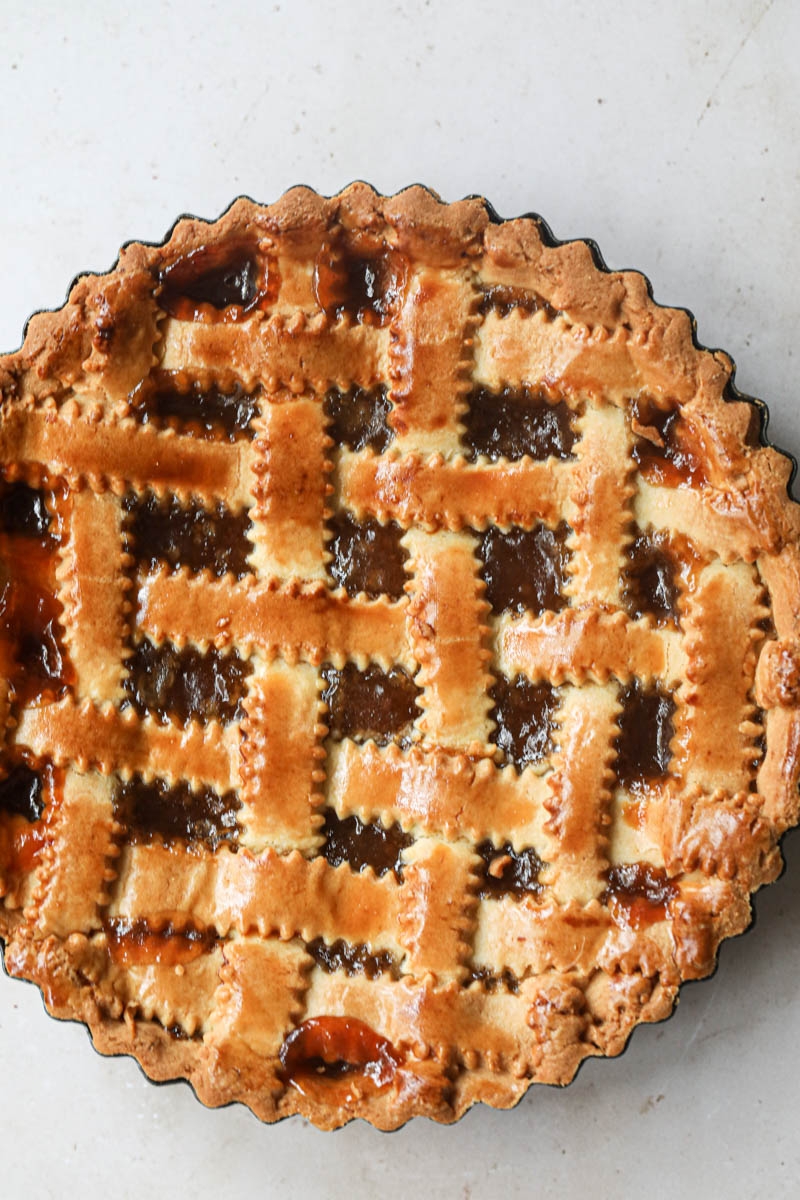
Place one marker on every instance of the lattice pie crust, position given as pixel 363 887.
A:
pixel 399 651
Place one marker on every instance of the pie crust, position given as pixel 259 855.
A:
pixel 400 656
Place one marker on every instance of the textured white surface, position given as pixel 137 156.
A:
pixel 670 134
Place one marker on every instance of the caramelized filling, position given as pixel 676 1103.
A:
pixel 226 278
pixel 323 1050
pixel 523 713
pixel 524 569
pixel 649 581
pixel 351 840
pixel 500 298
pixel 156 811
pixel 668 459
pixel 368 289
pixel 515 422
pixel 32 657
pixel 216 412
pixel 357 418
pixel 185 683
pixel 367 556
pixel 508 873
pixel 138 943
pixel 645 733
pixel 341 956
pixel 193 537
pixel 21 792
pixel 638 894
pixel 28 800
pixel 370 704
pixel 506 981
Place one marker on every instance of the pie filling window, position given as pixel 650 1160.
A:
pixel 513 423
pixel 169 814
pixel 202 539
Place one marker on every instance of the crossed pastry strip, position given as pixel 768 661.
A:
pixel 534 892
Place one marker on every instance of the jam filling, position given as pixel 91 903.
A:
pixel 138 943
pixel 193 537
pixel 649 580
pixel 185 683
pixel 217 412
pixel 354 960
pixel 367 288
pixel 32 656
pixel 515 422
pixel 227 278
pixel 323 1050
pixel 357 418
pixel 638 893
pixel 645 733
pixel 507 872
pixel 370 703
pixel 500 298
pixel 353 841
pixel 669 459
pixel 367 556
pixel 28 797
pixel 157 812
pixel 524 716
pixel 506 981
pixel 524 569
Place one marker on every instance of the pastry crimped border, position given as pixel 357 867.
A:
pixel 644 338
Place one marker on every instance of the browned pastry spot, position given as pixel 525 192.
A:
pixel 649 578
pixel 226 277
pixel 167 813
pixel 199 538
pixel 138 943
pixel 516 422
pixel 357 417
pixel 367 288
pixel 501 299
pixel 354 960
pixel 524 569
pixel 212 411
pixel 645 732
pixel 360 844
pixel 507 872
pixel 185 683
pixel 370 704
pixel 367 556
pixel 523 712
pixel 663 450
pixel 638 893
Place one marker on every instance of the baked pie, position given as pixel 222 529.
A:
pixel 400 656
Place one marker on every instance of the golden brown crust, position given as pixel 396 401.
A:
pixel 470 995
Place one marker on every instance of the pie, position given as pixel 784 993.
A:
pixel 399 656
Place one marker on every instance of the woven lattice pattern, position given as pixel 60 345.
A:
pixel 420 697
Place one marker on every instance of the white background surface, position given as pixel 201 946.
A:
pixel 669 132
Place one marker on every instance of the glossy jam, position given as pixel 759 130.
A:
pixel 370 703
pixel 506 981
pixel 523 713
pixel 29 798
pixel 353 960
pixel 21 792
pixel 367 556
pixel 669 461
pixel 649 582
pixel 211 411
pixel 156 811
pixel 643 744
pixel 508 873
pixel 501 299
pixel 351 840
pixel 513 423
pixel 32 655
pixel 137 943
pixel 227 278
pixel 185 683
pixel 330 1051
pixel 191 536
pixel 357 418
pixel 638 894
pixel 524 569
pixel 367 288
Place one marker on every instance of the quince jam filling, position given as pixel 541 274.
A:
pixel 500 298
pixel 213 411
pixel 638 894
pixel 524 569
pixel 663 449
pixel 32 656
pixel 157 812
pixel 225 282
pixel 164 531
pixel 185 684
pixel 28 799
pixel 357 417
pixel 361 844
pixel 367 556
pixel 353 960
pixel 645 733
pixel 524 719
pixel 326 1050
pixel 507 872
pixel 367 286
pixel 516 422
pixel 139 943
pixel 370 704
